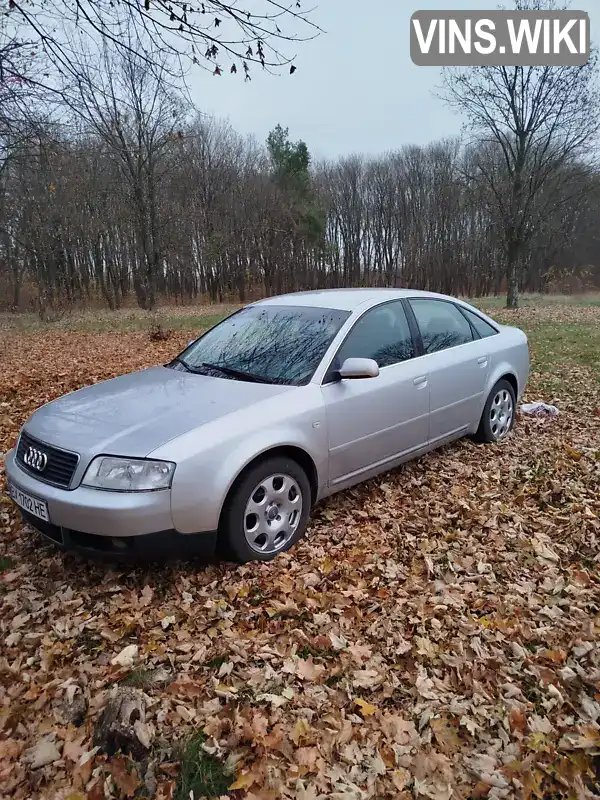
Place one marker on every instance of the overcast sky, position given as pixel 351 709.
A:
pixel 356 89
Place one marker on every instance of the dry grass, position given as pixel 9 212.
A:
pixel 197 317
pixel 191 318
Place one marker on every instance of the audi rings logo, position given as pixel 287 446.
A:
pixel 35 459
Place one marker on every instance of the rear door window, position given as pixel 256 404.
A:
pixel 441 324
pixel 482 327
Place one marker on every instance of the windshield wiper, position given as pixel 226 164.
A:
pixel 237 373
pixel 234 373
pixel 189 367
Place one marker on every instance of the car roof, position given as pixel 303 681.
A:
pixel 345 299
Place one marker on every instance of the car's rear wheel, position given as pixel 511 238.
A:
pixel 498 416
pixel 267 510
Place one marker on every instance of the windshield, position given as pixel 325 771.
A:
pixel 273 344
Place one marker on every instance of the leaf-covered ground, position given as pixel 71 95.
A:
pixel 434 635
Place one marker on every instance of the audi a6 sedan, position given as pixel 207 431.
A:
pixel 282 403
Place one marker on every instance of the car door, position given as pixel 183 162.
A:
pixel 456 360
pixel 371 421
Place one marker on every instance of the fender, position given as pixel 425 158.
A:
pixel 498 370
pixel 254 447
pixel 204 476
pixel 517 366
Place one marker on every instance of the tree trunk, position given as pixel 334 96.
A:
pixel 16 294
pixel 512 276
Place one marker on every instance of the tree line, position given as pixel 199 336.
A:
pixel 129 195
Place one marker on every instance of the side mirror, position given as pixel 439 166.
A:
pixel 359 368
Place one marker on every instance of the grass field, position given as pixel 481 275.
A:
pixel 435 634
pixel 127 319
pixel 195 316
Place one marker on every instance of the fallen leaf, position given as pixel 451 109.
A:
pixel 445 734
pixel 366 708
pixel 124 774
pixel 127 656
pixel 401 778
pixel 42 754
pixel 518 720
pixel 243 781
pixel 307 670
pixel 302 730
pixel 10 748
pixel 587 737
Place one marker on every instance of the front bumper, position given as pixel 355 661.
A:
pixel 128 525
pixel 94 510
pixel 148 547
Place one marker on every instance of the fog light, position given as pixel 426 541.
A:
pixel 119 544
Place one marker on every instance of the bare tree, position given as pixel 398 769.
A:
pixel 94 211
pixel 215 34
pixel 535 123
pixel 140 121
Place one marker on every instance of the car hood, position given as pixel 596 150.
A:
pixel 136 413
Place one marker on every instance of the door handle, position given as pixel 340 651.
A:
pixel 483 361
pixel 420 381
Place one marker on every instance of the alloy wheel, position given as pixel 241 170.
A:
pixel 273 513
pixel 501 414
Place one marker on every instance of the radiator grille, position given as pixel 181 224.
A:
pixel 60 465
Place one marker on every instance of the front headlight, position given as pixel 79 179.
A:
pixel 128 474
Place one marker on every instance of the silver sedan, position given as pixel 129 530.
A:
pixel 281 404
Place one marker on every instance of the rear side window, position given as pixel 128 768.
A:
pixel 482 327
pixel 382 334
pixel 441 324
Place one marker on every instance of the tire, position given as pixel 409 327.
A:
pixel 261 517
pixel 498 417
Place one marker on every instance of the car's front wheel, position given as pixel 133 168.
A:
pixel 498 416
pixel 267 510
